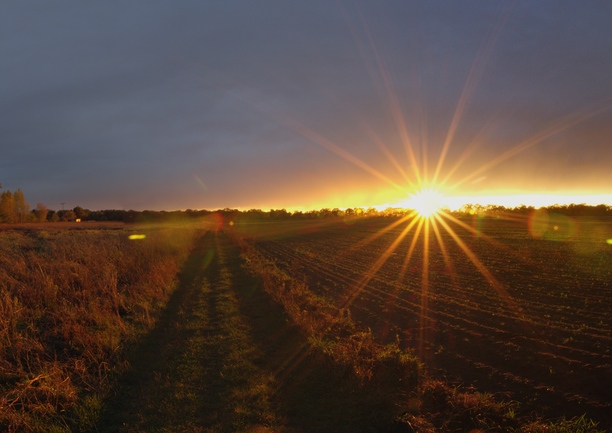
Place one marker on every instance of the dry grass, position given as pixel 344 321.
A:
pixel 70 301
pixel 64 225
pixel 327 327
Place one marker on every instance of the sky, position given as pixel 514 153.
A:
pixel 302 105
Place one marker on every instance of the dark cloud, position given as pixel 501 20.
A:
pixel 199 104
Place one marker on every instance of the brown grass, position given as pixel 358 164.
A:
pixel 70 301
pixel 64 225
pixel 332 331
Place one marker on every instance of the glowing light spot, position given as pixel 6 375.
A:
pixel 208 258
pixel 551 226
pixel 538 223
pixel 231 223
pixel 609 241
pixel 427 202
pixel 213 221
pixel 136 237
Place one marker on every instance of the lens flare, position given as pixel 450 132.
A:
pixel 427 202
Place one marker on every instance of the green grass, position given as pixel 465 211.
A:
pixel 580 424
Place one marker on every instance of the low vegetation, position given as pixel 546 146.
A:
pixel 329 328
pixel 197 369
pixel 73 300
pixel 70 302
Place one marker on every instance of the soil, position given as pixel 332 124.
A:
pixel 528 319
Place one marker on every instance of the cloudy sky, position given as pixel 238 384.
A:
pixel 271 104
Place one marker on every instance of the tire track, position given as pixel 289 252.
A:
pixel 193 372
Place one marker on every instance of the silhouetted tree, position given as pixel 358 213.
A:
pixel 81 213
pixel 256 214
pixel 22 208
pixel 324 213
pixel 7 207
pixel 41 212
pixel 279 214
pixel 68 215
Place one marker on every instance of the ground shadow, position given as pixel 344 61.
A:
pixel 312 393
pixel 140 390
pixel 176 377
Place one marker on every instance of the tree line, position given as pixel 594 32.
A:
pixel 15 209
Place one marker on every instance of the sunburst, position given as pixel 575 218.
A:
pixel 422 192
pixel 426 202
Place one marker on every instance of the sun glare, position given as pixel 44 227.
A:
pixel 426 202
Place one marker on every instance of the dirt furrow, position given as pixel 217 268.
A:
pixel 551 349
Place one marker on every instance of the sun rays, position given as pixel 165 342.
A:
pixel 427 226
pixel 425 184
pixel 426 202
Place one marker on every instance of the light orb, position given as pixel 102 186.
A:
pixel 426 202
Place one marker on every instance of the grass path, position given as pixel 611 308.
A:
pixel 224 358
pixel 194 372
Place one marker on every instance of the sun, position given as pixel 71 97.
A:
pixel 426 202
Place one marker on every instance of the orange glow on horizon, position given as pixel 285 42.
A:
pixel 447 202
pixel 511 200
pixel 426 202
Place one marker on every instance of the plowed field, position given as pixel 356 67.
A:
pixel 495 308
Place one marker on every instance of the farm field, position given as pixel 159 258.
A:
pixel 112 327
pixel 500 310
pixel 298 326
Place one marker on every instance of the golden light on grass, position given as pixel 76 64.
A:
pixel 136 237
